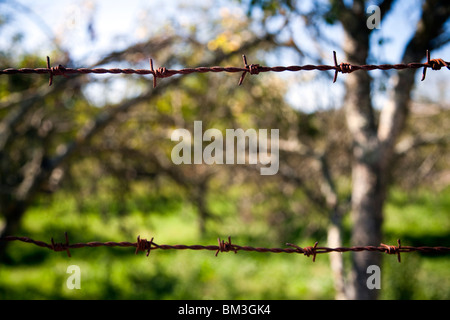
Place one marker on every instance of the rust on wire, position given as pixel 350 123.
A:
pixel 253 69
pixel 393 249
pixel 307 251
pixel 161 72
pixel 61 246
pixel 435 64
pixel 55 71
pixel 343 67
pixel 143 245
pixel 227 246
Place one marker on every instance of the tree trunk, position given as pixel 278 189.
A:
pixel 367 203
pixel 368 187
pixel 334 239
pixel 374 144
pixel 13 217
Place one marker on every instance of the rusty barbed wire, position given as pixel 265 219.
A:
pixel 227 246
pixel 253 69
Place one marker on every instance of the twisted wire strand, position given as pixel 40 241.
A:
pixel 253 69
pixel 227 246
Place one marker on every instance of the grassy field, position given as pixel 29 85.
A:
pixel 117 273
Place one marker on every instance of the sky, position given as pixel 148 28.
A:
pixel 117 24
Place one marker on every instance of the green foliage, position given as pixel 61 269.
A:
pixel 116 273
pixel 118 185
pixel 271 6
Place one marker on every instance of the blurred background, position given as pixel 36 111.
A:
pixel 90 155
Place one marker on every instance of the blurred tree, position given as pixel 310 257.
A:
pixel 53 137
pixel 374 138
pixel 46 129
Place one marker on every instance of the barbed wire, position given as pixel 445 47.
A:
pixel 253 69
pixel 227 246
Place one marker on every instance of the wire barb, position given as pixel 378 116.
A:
pixel 343 67
pixel 225 246
pixel 161 72
pixel 393 249
pixel 61 246
pixel 311 251
pixel 252 69
pixel 434 64
pixel 307 251
pixel 143 245
pixel 55 71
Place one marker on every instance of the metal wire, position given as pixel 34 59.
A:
pixel 227 246
pixel 253 69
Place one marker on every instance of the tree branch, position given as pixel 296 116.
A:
pixel 393 116
pixel 410 143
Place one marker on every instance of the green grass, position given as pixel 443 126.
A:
pixel 418 220
pixel 117 273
